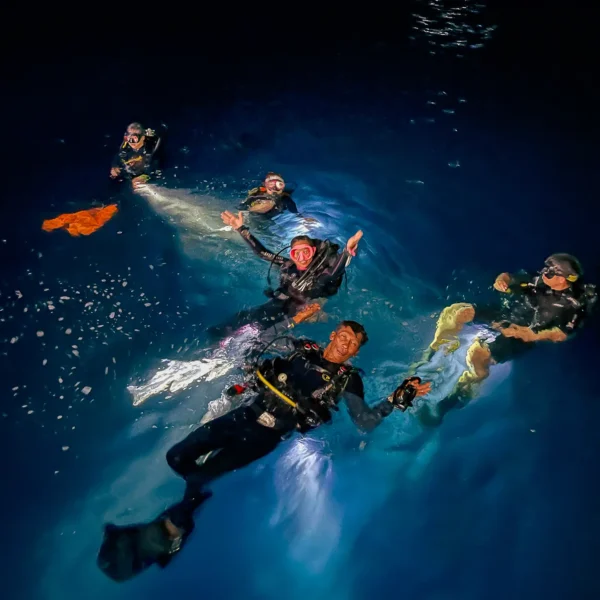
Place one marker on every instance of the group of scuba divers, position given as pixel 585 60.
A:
pixel 301 384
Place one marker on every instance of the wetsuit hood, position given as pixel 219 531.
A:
pixel 566 265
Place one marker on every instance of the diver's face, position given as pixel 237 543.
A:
pixel 302 255
pixel 556 282
pixel 343 344
pixel 134 138
pixel 274 186
pixel 553 280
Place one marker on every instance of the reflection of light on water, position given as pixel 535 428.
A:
pixel 447 24
pixel 288 225
pixel 303 481
pixel 195 213
pixel 178 375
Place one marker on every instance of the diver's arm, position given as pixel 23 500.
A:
pixel 258 248
pixel 117 161
pixel 337 266
pixel 556 330
pixel 116 165
pixel 556 334
pixel 366 417
pixel 290 205
pixel 288 323
pixel 278 337
pixel 281 330
pixel 559 329
pixel 527 334
pixel 513 282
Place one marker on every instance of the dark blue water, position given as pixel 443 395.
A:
pixel 457 165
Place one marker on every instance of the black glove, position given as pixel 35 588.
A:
pixel 403 396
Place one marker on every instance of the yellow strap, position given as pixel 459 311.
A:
pixel 275 390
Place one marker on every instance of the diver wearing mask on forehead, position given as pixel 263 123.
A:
pixel 547 306
pixel 140 154
pixel 314 269
pixel 271 198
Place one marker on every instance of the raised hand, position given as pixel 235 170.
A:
pixel 502 282
pixel 231 220
pixel 352 243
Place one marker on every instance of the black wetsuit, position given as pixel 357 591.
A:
pixel 322 279
pixel 239 438
pixel 145 161
pixel 531 303
pixel 255 429
pixel 282 202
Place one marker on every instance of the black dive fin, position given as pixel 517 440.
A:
pixel 127 551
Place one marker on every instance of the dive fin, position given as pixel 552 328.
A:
pixel 127 551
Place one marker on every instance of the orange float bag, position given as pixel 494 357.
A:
pixel 84 222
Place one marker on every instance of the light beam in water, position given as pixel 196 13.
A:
pixel 304 481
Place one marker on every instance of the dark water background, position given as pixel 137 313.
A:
pixel 485 508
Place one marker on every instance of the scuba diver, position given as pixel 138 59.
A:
pixel 271 198
pixel 137 159
pixel 140 154
pixel 296 391
pixel 314 270
pixel 548 306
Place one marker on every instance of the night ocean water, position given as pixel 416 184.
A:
pixel 462 140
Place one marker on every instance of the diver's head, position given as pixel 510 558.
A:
pixel 135 135
pixel 302 251
pixel 345 342
pixel 274 183
pixel 561 270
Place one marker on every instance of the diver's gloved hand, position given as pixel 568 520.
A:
pixel 306 313
pixel 231 220
pixel 403 396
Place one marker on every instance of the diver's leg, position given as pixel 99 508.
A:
pixel 264 315
pixel 211 436
pixel 128 550
pixel 253 443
